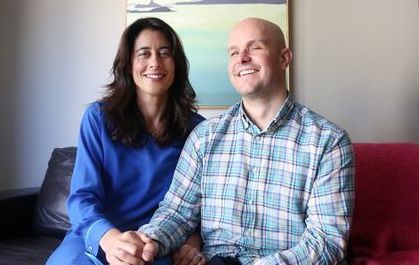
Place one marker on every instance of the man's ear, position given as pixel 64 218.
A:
pixel 286 57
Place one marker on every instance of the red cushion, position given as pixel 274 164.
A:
pixel 395 258
pixel 386 216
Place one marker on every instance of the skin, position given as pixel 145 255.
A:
pixel 153 71
pixel 258 59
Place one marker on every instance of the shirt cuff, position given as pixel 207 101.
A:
pixel 94 234
pixel 267 260
pixel 157 236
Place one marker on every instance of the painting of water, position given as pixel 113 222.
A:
pixel 203 26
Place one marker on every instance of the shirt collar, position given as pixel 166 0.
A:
pixel 279 118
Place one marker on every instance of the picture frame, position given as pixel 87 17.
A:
pixel 203 26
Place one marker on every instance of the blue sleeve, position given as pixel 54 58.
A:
pixel 178 214
pixel 85 203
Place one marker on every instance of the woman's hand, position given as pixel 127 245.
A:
pixel 122 248
pixel 189 253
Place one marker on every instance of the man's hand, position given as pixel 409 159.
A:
pixel 122 248
pixel 189 253
pixel 150 249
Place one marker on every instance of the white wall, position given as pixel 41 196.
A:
pixel 356 62
pixel 56 55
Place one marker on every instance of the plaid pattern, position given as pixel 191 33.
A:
pixel 279 196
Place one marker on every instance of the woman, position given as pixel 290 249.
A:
pixel 128 148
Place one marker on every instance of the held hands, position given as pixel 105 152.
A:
pixel 150 249
pixel 189 253
pixel 133 248
pixel 136 248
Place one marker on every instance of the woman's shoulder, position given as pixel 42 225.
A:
pixel 94 112
pixel 196 119
pixel 95 109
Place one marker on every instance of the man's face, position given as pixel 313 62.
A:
pixel 254 59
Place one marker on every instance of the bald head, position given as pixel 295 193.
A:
pixel 270 31
pixel 258 59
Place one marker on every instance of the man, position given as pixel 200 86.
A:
pixel 270 181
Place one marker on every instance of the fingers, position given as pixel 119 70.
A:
pixel 131 243
pixel 125 249
pixel 125 256
pixel 120 259
pixel 145 238
pixel 188 255
pixel 150 249
pixel 199 259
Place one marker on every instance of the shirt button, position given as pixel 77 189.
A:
pixel 90 249
pixel 251 201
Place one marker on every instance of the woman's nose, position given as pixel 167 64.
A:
pixel 155 60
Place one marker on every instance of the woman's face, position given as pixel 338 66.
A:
pixel 153 65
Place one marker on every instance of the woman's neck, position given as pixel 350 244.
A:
pixel 152 109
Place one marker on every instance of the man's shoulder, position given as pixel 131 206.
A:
pixel 309 118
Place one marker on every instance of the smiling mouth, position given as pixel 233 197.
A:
pixel 154 76
pixel 246 72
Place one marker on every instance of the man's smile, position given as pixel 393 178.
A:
pixel 247 72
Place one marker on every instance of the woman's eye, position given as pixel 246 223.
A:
pixel 165 53
pixel 143 54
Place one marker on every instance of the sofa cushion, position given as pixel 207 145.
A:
pixel 409 257
pixel 27 250
pixel 386 216
pixel 50 217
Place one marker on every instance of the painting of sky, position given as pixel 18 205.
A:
pixel 203 26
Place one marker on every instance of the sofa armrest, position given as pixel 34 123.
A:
pixel 16 208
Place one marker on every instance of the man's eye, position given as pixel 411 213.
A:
pixel 233 54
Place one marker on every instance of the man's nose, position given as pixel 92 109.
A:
pixel 244 57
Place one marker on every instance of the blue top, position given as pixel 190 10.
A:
pixel 116 186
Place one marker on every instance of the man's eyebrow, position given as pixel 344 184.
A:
pixel 231 48
pixel 248 44
pixel 263 41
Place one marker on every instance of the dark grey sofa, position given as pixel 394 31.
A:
pixel 34 220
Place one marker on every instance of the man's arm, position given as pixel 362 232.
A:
pixel 329 211
pixel 179 213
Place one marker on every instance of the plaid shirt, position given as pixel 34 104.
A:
pixel 279 196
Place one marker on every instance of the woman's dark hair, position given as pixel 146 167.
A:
pixel 124 121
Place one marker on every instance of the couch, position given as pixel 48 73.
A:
pixel 34 220
pixel 385 228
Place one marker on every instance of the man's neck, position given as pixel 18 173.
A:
pixel 263 110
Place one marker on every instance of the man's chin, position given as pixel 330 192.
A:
pixel 245 91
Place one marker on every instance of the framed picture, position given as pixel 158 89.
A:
pixel 203 26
